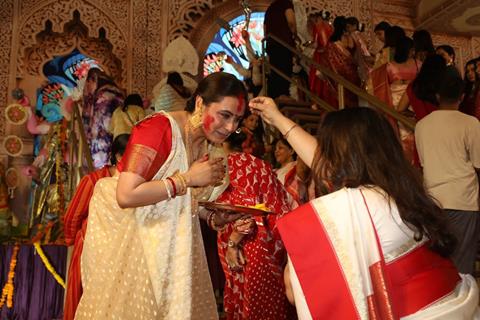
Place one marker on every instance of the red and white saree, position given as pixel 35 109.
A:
pixel 352 257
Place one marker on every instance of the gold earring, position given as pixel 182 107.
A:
pixel 196 118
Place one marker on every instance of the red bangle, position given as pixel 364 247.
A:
pixel 174 187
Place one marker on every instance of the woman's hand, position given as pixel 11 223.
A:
pixel 235 258
pixel 223 217
pixel 267 109
pixel 244 225
pixel 205 171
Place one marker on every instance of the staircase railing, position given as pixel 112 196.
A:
pixel 342 84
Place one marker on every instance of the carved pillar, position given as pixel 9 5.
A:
pixel 6 25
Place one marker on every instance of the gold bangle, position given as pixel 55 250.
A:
pixel 289 130
pixel 181 185
pixel 184 183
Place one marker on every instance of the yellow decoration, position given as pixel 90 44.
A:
pixel 261 206
pixel 48 265
pixel 8 289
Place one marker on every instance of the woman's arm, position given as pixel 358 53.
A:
pixel 301 141
pixel 134 191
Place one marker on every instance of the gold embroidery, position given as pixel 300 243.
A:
pixel 351 273
pixel 379 304
pixel 402 250
pixel 139 159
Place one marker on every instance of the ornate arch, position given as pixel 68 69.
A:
pixel 206 26
pixel 60 11
pixel 196 21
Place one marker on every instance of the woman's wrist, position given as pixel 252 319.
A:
pixel 236 237
pixel 188 179
pixel 284 125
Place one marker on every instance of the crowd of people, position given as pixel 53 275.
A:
pixel 366 220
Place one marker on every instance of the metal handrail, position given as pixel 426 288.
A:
pixel 374 101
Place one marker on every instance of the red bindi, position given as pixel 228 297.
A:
pixel 207 124
pixel 241 102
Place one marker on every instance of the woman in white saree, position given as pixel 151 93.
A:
pixel 374 246
pixel 143 255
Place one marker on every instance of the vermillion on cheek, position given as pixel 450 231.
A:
pixel 207 124
pixel 241 103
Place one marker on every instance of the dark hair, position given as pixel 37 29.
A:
pixel 382 26
pixel 324 14
pixel 100 77
pixel 133 99
pixel 469 85
pixel 469 62
pixel 450 89
pixel 402 49
pixel 358 147
pixel 392 35
pixel 235 140
pixel 339 28
pixel 285 143
pixel 93 73
pixel 353 21
pixel 118 147
pixel 426 83
pixel 448 49
pixel 217 86
pixel 422 42
pixel 174 79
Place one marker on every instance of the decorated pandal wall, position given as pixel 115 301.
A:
pixel 48 46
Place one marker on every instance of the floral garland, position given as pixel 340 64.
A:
pixel 48 265
pixel 8 289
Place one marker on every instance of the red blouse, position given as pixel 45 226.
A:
pixel 148 148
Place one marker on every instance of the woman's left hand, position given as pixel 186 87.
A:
pixel 223 217
pixel 244 225
pixel 234 258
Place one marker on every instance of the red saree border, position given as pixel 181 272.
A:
pixel 139 159
pixel 320 275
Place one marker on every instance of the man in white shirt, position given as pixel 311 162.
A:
pixel 448 144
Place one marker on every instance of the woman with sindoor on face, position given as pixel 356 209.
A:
pixel 374 245
pixel 143 255
pixel 250 249
pixel 289 171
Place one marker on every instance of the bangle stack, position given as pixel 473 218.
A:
pixel 211 222
pixel 175 185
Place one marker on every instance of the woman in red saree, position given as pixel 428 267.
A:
pixel 253 262
pixel 420 94
pixel 288 172
pixel 321 32
pixel 390 82
pixel 75 224
pixel 339 57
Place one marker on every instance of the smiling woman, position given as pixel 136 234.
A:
pixel 149 226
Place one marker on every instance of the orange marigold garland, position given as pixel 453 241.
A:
pixel 8 289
